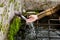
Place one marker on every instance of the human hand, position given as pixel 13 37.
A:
pixel 32 18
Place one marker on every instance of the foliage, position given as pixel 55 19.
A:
pixel 14 27
pixel 1 5
pixel 11 1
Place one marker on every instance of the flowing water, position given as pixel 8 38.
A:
pixel 28 33
pixel 32 30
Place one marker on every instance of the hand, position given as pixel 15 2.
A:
pixel 32 18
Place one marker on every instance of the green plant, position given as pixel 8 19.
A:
pixel 14 27
pixel 1 4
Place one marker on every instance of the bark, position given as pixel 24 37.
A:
pixel 6 14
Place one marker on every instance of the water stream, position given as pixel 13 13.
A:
pixel 31 27
pixel 32 30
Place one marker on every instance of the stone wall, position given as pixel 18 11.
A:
pixel 39 4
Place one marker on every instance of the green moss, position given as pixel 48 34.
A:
pixel 11 1
pixel 0 25
pixel 1 5
pixel 14 27
pixel 16 6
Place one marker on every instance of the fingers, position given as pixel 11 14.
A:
pixel 30 20
pixel 30 16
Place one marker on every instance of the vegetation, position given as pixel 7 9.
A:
pixel 14 27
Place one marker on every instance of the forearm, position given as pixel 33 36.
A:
pixel 48 12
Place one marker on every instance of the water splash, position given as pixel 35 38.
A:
pixel 31 26
pixel 32 30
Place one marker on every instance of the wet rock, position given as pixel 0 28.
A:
pixel 40 35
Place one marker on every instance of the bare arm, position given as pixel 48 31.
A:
pixel 48 12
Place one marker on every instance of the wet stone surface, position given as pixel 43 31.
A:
pixel 25 34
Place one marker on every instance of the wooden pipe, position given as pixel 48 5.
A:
pixel 48 12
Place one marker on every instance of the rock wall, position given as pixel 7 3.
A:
pixel 39 4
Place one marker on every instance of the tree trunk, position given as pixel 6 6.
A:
pixel 7 8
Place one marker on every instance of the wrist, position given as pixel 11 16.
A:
pixel 37 17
